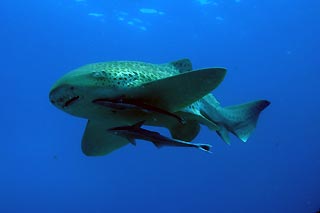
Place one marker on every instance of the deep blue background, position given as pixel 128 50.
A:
pixel 271 50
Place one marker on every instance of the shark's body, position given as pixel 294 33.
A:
pixel 174 88
pixel 135 131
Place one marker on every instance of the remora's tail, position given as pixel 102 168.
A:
pixel 204 147
pixel 241 120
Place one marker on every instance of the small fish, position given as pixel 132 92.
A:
pixel 136 132
pixel 121 103
pixel 151 11
pixel 96 14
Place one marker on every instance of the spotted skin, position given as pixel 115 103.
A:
pixel 124 74
pixel 75 91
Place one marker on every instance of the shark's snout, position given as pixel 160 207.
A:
pixel 63 96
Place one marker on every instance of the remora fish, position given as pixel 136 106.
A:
pixel 121 103
pixel 135 131
pixel 173 87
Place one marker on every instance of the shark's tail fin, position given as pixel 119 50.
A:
pixel 241 119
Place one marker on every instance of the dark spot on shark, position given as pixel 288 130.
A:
pixel 71 101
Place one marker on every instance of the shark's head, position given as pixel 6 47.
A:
pixel 65 96
pixel 75 91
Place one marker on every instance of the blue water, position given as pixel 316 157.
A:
pixel 271 51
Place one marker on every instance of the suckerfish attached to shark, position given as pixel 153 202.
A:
pixel 121 103
pixel 163 95
pixel 135 131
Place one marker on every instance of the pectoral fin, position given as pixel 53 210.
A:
pixel 96 141
pixel 176 92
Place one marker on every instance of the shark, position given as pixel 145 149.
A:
pixel 171 95
pixel 135 131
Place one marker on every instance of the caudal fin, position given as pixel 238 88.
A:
pixel 242 119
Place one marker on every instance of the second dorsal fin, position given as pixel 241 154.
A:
pixel 182 65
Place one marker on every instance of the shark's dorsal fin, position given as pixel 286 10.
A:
pixel 182 65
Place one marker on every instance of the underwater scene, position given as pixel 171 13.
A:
pixel 195 106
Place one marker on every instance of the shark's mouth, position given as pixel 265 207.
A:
pixel 71 101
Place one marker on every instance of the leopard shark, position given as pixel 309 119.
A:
pixel 160 94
